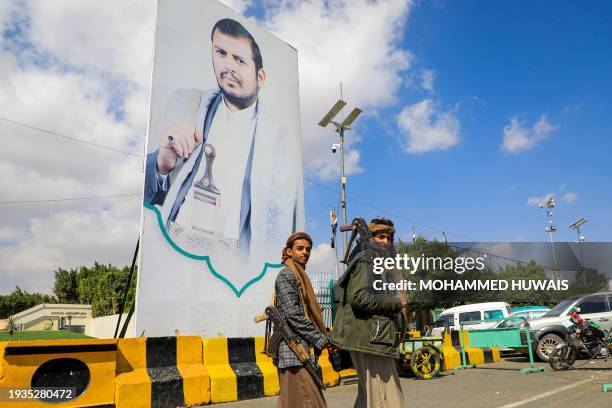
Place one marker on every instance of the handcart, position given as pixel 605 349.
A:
pixel 421 356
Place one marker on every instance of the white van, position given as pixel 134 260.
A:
pixel 456 316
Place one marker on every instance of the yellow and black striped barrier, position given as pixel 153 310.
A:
pixel 147 372
pixel 161 372
pixel 451 349
pixel 239 369
pixel 87 367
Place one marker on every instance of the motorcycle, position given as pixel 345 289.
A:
pixel 585 337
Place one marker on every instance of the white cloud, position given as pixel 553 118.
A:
pixel 5 12
pixel 69 237
pixel 337 43
pixel 569 197
pixel 80 69
pixel 322 260
pixel 425 127
pixel 238 5
pixel 427 79
pixel 10 233
pixel 111 36
pixel 329 170
pixel 535 200
pixel 518 137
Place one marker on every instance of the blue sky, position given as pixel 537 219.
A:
pixel 494 61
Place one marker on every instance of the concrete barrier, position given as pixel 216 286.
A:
pixel 268 369
pixel 132 384
pixel 87 366
pixel 330 376
pixel 161 372
pixel 155 371
pixel 451 348
pixel 238 369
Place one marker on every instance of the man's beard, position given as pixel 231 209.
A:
pixel 241 102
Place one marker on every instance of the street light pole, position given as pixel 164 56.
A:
pixel 549 204
pixel 580 239
pixel 340 129
pixel 343 182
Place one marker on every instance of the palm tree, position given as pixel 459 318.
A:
pixel 11 327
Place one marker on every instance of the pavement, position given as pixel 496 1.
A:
pixel 496 385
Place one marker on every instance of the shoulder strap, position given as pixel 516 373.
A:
pixel 344 279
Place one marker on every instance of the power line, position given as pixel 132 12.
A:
pixel 68 199
pixel 74 139
pixel 363 203
pixel 140 156
pixel 455 248
pixel 318 213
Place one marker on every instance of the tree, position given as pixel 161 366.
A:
pixel 102 286
pixel 440 260
pixel 447 298
pixel 20 300
pixel 66 286
pixel 587 281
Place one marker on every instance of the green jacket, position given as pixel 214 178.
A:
pixel 365 318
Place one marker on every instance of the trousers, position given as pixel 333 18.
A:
pixel 379 385
pixel 298 389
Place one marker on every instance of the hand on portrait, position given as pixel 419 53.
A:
pixel 177 140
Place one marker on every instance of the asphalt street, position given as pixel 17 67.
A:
pixel 497 385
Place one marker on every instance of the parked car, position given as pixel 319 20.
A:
pixel 454 317
pixel 549 330
pixel 534 311
pixel 528 312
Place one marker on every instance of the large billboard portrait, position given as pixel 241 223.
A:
pixel 223 175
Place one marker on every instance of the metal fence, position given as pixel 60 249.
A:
pixel 323 287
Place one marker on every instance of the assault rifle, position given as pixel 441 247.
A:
pixel 282 331
pixel 359 227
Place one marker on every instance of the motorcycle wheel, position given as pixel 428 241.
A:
pixel 562 358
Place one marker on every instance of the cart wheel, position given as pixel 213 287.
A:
pixel 425 362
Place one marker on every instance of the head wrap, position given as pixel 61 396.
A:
pixel 312 309
pixel 289 244
pixel 381 229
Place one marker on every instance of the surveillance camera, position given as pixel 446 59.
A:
pixel 335 147
pixel 541 205
pixel 582 238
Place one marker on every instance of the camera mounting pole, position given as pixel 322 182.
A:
pixel 341 127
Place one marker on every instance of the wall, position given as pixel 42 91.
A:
pixel 104 327
pixel 42 323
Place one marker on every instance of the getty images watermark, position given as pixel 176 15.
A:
pixel 459 265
